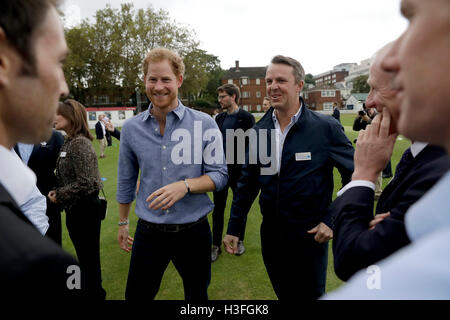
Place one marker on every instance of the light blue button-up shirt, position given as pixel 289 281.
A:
pixel 190 147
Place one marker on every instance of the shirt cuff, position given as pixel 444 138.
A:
pixel 357 183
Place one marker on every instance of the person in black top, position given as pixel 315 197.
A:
pixel 232 119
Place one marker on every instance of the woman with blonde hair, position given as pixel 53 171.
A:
pixel 77 191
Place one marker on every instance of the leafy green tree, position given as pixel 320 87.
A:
pixel 360 84
pixel 106 55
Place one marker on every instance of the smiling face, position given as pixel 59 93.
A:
pixel 161 85
pixel 420 62
pixel 281 86
pixel 29 102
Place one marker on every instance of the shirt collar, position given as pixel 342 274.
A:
pixel 417 147
pixel 178 111
pixel 294 118
pixel 15 176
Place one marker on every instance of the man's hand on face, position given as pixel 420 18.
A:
pixel 374 148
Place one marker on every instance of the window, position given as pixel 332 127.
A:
pixel 245 107
pixel 103 99
pixel 245 94
pixel 328 93
pixel 121 115
pixel 306 95
pixel 258 81
pixel 92 116
pixel 258 107
pixel 258 94
pixel 334 75
pixel 244 80
pixel 328 106
pixel 230 81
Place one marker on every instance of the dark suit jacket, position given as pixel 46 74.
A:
pixel 245 121
pixel 355 246
pixel 99 131
pixel 43 162
pixel 337 114
pixel 31 266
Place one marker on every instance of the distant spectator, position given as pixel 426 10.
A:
pixel 336 112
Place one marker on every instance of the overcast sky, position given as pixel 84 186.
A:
pixel 318 33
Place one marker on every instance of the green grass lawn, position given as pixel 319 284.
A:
pixel 233 277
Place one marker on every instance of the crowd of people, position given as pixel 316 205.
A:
pixel 291 169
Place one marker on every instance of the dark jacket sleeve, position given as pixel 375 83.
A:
pixel 355 246
pixel 115 133
pixel 247 190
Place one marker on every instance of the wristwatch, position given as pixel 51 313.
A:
pixel 187 186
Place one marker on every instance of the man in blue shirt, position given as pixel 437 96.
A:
pixel 179 154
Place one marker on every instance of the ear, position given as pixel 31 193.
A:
pixel 300 86
pixel 5 51
pixel 179 80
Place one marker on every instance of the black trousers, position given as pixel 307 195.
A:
pixel 190 251
pixel 220 202
pixel 295 262
pixel 83 223
pixel 54 220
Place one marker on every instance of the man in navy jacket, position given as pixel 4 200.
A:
pixel 360 240
pixel 296 185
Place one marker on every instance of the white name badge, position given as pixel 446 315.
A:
pixel 303 156
pixel 63 154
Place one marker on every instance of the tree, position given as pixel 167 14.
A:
pixel 107 55
pixel 360 84
pixel 309 79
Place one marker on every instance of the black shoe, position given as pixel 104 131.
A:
pixel 240 249
pixel 215 251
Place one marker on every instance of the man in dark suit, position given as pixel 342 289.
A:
pixel 360 239
pixel 32 46
pixel 232 119
pixel 302 148
pixel 43 163
pixel 100 133
pixel 336 112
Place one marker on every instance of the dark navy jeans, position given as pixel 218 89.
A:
pixel 295 262
pixel 189 249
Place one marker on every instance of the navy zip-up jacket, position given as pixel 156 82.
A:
pixel 302 191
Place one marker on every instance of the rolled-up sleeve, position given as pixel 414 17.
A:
pixel 215 167
pixel 128 168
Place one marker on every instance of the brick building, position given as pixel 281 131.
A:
pixel 251 82
pixel 322 97
pixel 330 77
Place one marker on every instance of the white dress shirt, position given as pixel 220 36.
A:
pixel 416 148
pixel 20 182
pixel 280 135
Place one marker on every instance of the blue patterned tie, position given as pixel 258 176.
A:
pixel 404 163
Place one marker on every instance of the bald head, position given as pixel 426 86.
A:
pixel 382 92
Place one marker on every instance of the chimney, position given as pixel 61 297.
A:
pixel 237 65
